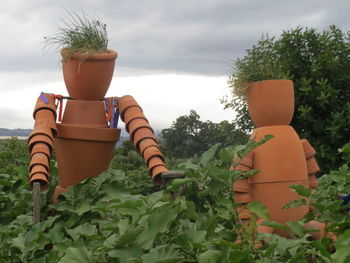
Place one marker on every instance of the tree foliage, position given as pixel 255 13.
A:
pixel 188 136
pixel 319 65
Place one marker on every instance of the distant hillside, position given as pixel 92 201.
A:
pixel 15 132
pixel 25 133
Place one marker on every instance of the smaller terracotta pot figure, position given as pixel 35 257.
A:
pixel 282 161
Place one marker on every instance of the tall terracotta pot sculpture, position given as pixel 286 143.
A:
pixel 282 161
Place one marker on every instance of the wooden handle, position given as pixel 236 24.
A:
pixel 36 202
pixel 172 175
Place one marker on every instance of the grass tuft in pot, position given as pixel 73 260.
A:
pixel 261 63
pixel 79 33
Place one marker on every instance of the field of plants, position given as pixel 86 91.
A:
pixel 120 216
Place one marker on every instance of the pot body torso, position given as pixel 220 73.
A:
pixel 281 162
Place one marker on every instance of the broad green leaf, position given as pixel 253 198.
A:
pixel 209 155
pixel 209 256
pixel 301 190
pixel 162 254
pixel 259 209
pixel 275 225
pixel 126 255
pixel 296 228
pixel 77 255
pixel 342 255
pixel 295 203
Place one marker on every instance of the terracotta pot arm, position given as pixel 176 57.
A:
pixel 143 137
pixel 41 140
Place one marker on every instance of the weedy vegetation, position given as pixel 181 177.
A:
pixel 115 218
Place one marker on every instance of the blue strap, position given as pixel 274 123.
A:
pixel 43 98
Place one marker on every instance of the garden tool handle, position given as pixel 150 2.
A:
pixel 36 202
pixel 166 176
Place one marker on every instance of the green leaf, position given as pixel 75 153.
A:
pixel 209 256
pixel 162 254
pixel 126 255
pixel 85 230
pixel 209 155
pixel 301 190
pixel 259 209
pixel 295 203
pixel 77 255
pixel 296 228
pixel 274 224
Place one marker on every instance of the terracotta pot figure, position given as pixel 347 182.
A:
pixel 85 135
pixel 282 161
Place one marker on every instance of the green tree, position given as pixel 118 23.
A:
pixel 189 136
pixel 319 65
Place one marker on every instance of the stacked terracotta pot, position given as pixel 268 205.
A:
pixel 142 136
pixel 41 140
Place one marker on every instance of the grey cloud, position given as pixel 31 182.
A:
pixel 185 36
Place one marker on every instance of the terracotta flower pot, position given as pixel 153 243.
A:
pixel 42 179
pixel 155 161
pixel 88 78
pixel 133 113
pixel 151 152
pixel 39 169
pixel 42 105
pixel 41 130
pixel 143 144
pixel 46 118
pixel 85 112
pixel 141 134
pixel 40 148
pixel 39 159
pixel 137 124
pixel 40 139
pixel 271 102
pixel 156 172
pixel 83 152
pixel 58 190
pixel 126 102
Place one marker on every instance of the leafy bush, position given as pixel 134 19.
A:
pixel 191 220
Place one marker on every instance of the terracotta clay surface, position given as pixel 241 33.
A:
pixel 39 169
pixel 282 161
pixel 137 124
pixel 84 112
pixel 41 105
pixel 156 172
pixel 46 118
pixel 133 113
pixel 39 177
pixel 88 77
pixel 271 102
pixel 151 152
pixel 58 190
pixel 144 143
pixel 83 152
pixel 39 158
pixel 40 148
pixel 40 139
pixel 142 134
pixel 126 102
pixel 41 130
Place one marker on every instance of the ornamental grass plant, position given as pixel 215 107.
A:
pixel 79 33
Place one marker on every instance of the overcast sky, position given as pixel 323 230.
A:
pixel 173 55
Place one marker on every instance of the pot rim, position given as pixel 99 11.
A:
pixel 110 55
pixel 86 133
